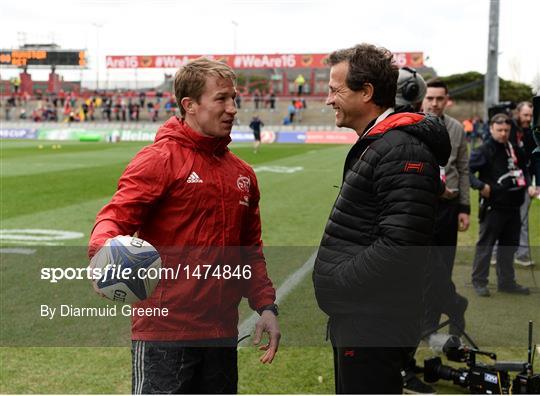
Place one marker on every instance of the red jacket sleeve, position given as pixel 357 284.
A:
pixel 143 181
pixel 258 289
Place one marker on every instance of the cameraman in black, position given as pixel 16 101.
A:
pixel 502 182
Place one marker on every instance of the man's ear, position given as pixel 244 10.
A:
pixel 367 92
pixel 188 104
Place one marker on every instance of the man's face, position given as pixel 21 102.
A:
pixel 500 132
pixel 346 102
pixel 435 101
pixel 214 114
pixel 525 116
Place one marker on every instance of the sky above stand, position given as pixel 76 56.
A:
pixel 453 35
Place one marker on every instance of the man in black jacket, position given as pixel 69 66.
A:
pixel 502 181
pixel 369 269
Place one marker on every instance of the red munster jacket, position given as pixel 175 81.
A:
pixel 198 204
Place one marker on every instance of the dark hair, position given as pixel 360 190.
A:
pixel 437 83
pixel 500 118
pixel 521 105
pixel 373 65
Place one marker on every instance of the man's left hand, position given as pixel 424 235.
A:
pixel 463 222
pixel 267 324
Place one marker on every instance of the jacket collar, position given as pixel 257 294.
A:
pixel 390 122
pixel 178 129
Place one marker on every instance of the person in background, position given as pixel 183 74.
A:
pixel 502 183
pixel 521 136
pixel 440 295
pixel 256 124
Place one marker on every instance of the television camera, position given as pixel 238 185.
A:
pixel 479 377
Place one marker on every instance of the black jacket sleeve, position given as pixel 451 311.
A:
pixel 477 161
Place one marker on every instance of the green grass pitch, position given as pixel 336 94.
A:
pixel 62 188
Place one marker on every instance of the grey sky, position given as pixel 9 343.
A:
pixel 452 34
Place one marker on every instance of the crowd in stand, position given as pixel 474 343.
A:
pixel 71 107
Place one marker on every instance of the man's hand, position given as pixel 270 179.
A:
pixel 533 191
pixel 267 324
pixel 463 222
pixel 91 266
pixel 485 191
pixel 449 194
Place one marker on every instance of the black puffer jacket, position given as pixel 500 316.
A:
pixel 374 249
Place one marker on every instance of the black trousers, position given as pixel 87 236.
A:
pixel 369 370
pixel 502 225
pixel 167 367
pixel 440 294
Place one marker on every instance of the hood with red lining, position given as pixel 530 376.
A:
pixel 427 128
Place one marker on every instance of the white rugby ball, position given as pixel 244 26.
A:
pixel 129 269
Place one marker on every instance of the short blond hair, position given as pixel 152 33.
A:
pixel 190 79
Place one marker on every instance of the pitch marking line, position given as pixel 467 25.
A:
pixel 286 287
pixel 17 251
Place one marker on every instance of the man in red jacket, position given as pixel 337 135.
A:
pixel 198 204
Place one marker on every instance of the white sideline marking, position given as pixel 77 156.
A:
pixel 278 169
pixel 38 235
pixel 286 287
pixel 18 251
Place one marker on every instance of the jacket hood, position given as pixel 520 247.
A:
pixel 177 129
pixel 427 128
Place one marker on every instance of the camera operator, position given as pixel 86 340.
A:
pixel 452 214
pixel 521 136
pixel 502 183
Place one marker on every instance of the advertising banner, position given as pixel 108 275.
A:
pixel 291 137
pixel 245 61
pixel 331 137
pixel 18 133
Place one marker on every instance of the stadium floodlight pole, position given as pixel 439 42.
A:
pixel 491 82
pixel 97 26
pixel 235 24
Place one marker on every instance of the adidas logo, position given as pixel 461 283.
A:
pixel 194 178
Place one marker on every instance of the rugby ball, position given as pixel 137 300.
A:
pixel 126 269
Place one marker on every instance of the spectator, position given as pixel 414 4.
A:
pixel 142 98
pixel 468 128
pixel 84 107
pixel 256 98
pixel 155 112
pixel 292 111
pixel 15 84
pixel 299 106
pixel 300 81
pixel 272 101
pixel 10 104
pixel 123 108
pixel 136 110
pixel 107 108
pixel 238 100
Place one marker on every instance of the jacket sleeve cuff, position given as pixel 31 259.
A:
pixel 464 209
